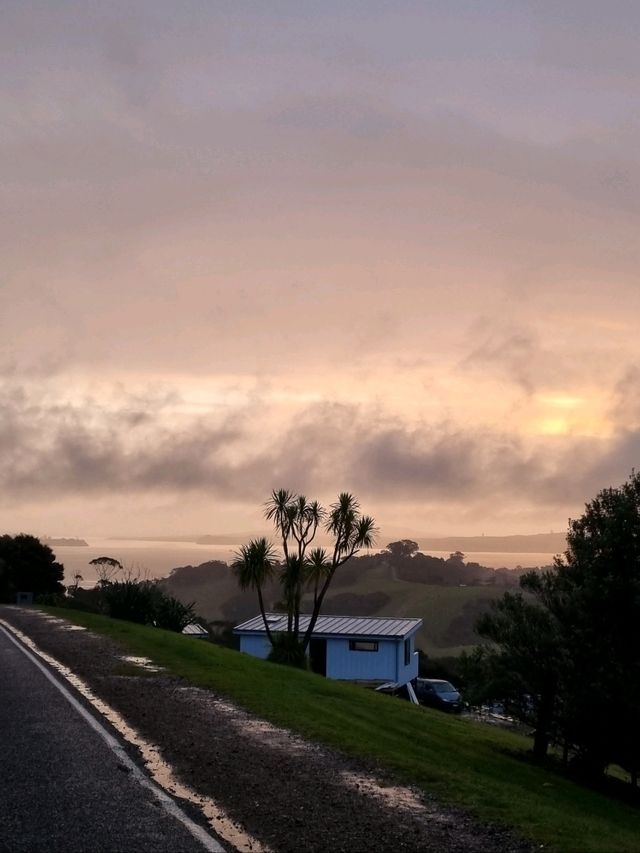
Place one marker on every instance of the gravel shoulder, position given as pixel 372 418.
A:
pixel 289 794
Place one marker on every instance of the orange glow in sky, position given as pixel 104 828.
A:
pixel 324 246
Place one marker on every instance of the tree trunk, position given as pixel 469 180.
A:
pixel 540 743
pixel 296 613
pixel 264 615
pixel 316 611
pixel 544 720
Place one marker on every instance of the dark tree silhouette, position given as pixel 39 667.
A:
pixel 26 565
pixel 253 567
pixel 572 647
pixel 403 548
pixel 106 568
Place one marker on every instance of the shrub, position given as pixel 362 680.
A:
pixel 88 600
pixel 172 614
pixel 145 602
pixel 131 600
pixel 287 649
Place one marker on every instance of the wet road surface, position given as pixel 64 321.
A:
pixel 62 788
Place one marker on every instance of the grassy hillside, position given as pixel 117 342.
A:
pixel 215 591
pixel 468 764
pixel 448 612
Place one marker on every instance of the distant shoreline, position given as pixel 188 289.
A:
pixel 552 543
pixel 196 539
pixel 66 543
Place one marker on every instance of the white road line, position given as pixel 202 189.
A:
pixel 207 841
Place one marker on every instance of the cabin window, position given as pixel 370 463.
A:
pixel 407 652
pixel 363 645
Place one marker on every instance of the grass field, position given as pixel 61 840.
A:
pixel 438 606
pixel 468 764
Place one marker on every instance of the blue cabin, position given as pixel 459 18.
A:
pixel 353 648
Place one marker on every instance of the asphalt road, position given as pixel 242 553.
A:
pixel 62 788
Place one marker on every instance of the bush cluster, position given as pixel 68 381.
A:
pixel 140 601
pixel 287 649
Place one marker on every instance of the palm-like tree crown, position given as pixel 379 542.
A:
pixel 253 565
pixel 351 530
pixel 296 521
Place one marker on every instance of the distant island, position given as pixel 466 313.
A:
pixel 55 542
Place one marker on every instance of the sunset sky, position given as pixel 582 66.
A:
pixel 385 247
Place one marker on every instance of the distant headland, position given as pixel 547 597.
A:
pixel 60 542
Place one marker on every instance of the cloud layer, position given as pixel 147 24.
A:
pixel 338 245
pixel 56 452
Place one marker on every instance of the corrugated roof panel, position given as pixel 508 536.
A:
pixel 352 626
pixel 194 628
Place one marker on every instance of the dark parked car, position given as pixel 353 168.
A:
pixel 438 694
pixel 429 691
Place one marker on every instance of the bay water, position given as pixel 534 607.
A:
pixel 155 559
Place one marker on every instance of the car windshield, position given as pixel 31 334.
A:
pixel 444 687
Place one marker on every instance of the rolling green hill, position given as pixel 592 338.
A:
pixel 364 588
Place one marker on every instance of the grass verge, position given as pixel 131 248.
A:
pixel 472 765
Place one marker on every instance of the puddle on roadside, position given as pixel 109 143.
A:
pixel 159 770
pixel 261 730
pixel 393 796
pixel 59 623
pixel 143 663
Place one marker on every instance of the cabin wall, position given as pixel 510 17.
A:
pixel 385 664
pixel 344 663
pixel 409 670
pixel 256 645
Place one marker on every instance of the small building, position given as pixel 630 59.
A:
pixel 353 648
pixel 196 630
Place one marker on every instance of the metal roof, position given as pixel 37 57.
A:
pixel 195 629
pixel 329 626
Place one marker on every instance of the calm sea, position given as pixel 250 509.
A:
pixel 156 559
pixel 148 559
